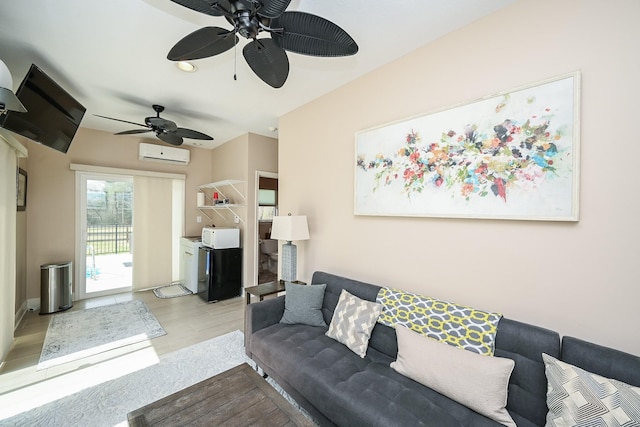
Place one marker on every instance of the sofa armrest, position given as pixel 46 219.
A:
pixel 259 315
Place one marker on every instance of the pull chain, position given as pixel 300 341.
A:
pixel 235 59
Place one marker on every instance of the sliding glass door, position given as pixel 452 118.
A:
pixel 117 251
pixel 105 234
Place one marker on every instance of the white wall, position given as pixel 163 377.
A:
pixel 580 279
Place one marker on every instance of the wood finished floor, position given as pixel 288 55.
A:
pixel 187 320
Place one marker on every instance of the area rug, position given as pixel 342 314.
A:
pixel 78 334
pixel 171 291
pixel 107 404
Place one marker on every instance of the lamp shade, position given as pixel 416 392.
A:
pixel 8 101
pixel 6 81
pixel 290 228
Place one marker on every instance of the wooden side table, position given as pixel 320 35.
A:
pixel 269 288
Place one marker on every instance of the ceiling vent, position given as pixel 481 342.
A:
pixel 160 153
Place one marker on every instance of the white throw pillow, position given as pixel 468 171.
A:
pixel 352 322
pixel 478 382
pixel 576 397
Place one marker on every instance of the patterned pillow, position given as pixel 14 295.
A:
pixel 457 325
pixel 352 322
pixel 576 397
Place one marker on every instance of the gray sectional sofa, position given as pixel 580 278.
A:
pixel 337 387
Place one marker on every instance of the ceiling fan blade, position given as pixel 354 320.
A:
pixel 202 6
pixel 119 120
pixel 309 34
pixel 273 8
pixel 268 61
pixel 133 132
pixel 191 134
pixel 170 138
pixel 203 43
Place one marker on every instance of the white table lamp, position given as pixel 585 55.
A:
pixel 289 228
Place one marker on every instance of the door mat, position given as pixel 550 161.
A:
pixel 171 291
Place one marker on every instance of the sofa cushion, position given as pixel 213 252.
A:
pixel 601 360
pixel 335 285
pixel 352 322
pixel 377 396
pixel 383 338
pixel 579 397
pixel 303 304
pixel 350 390
pixel 525 343
pixel 476 381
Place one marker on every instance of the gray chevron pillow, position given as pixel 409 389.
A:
pixel 576 397
pixel 352 322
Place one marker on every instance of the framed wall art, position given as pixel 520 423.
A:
pixel 513 155
pixel 21 187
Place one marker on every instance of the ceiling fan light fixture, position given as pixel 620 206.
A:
pixel 187 67
pixel 297 32
pixel 166 130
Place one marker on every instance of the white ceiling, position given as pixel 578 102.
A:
pixel 111 56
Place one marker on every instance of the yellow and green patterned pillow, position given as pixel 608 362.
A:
pixel 457 325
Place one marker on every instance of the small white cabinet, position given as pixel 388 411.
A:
pixel 189 247
pixel 226 189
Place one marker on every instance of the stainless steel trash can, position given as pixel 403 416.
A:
pixel 55 287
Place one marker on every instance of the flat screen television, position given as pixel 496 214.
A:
pixel 52 116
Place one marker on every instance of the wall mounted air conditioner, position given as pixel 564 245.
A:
pixel 161 153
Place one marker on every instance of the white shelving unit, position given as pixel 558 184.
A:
pixel 233 194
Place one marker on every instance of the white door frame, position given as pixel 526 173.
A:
pixel 256 245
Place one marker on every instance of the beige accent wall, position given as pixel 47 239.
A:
pixel 580 279
pixel 240 159
pixel 50 214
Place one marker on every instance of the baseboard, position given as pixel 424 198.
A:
pixel 33 304
pixel 20 315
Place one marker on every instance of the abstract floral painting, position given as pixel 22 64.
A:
pixel 509 156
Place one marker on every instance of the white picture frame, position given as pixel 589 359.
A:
pixel 513 155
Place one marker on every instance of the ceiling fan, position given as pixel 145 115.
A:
pixel 166 130
pixel 297 32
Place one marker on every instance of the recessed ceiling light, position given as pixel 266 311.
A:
pixel 197 144
pixel 185 66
